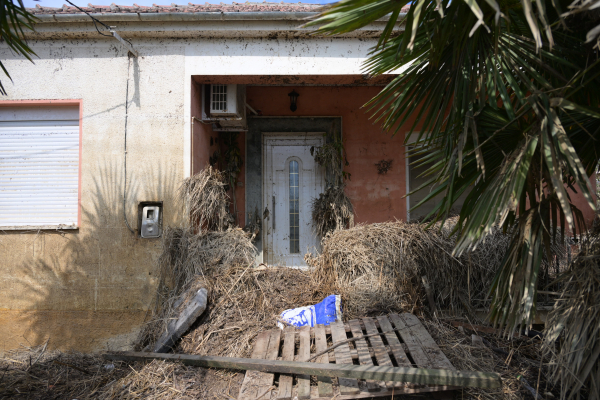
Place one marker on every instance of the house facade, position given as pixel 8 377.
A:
pixel 95 141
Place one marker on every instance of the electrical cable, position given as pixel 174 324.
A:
pixel 94 20
pixel 125 146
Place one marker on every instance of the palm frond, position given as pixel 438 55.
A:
pixel 14 19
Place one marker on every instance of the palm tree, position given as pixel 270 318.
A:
pixel 506 95
pixel 14 18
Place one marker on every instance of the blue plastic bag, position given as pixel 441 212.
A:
pixel 323 313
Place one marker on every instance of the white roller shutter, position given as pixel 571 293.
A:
pixel 39 167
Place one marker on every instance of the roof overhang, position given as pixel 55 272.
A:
pixel 271 25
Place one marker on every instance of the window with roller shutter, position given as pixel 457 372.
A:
pixel 39 167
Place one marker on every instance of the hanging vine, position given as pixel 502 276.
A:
pixel 332 210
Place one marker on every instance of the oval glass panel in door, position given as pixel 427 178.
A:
pixel 294 209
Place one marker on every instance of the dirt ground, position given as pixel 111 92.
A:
pixel 57 375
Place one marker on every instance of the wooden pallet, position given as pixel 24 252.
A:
pixel 408 345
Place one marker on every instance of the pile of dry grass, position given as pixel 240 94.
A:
pixel 513 359
pixel 379 267
pixel 332 211
pixel 244 302
pixel 187 254
pixel 206 199
pixel 576 315
pixel 186 258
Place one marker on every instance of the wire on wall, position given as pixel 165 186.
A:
pixel 125 148
pixel 94 20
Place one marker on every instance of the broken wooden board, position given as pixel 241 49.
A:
pixel 177 327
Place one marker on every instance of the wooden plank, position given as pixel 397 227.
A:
pixel 393 342
pixel 421 376
pixel 381 353
pixel 287 354
pixel 266 379
pixel 249 388
pixel 193 309
pixel 362 348
pixel 342 356
pixel 414 347
pixel 436 356
pixel 304 354
pixel 324 383
pixel 395 347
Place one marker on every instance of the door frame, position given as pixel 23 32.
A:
pixel 266 136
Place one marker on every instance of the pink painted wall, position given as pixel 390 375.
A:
pixel 376 198
pixel 201 133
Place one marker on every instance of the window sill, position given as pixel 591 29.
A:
pixel 57 227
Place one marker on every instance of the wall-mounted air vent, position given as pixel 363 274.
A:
pixel 223 100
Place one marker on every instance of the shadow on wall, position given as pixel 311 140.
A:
pixel 87 290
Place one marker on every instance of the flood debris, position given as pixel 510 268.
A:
pixel 204 197
pixel 332 210
pixel 572 337
pixel 379 267
pixel 54 374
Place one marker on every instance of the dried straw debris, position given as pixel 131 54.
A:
pixel 523 360
pixel 186 258
pixel 167 380
pixel 37 373
pixel 332 211
pixel 244 301
pixel 205 198
pixel 378 267
pixel 575 322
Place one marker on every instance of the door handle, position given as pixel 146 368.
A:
pixel 273 212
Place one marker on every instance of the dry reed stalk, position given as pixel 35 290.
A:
pixel 576 316
pixel 58 375
pixel 332 211
pixel 206 199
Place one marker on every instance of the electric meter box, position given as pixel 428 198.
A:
pixel 150 219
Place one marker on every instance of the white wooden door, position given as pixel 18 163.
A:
pixel 292 180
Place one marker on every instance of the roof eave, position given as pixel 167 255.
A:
pixel 190 25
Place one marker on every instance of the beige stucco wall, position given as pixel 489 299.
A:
pixel 90 289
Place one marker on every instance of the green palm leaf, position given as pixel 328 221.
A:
pixel 14 19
